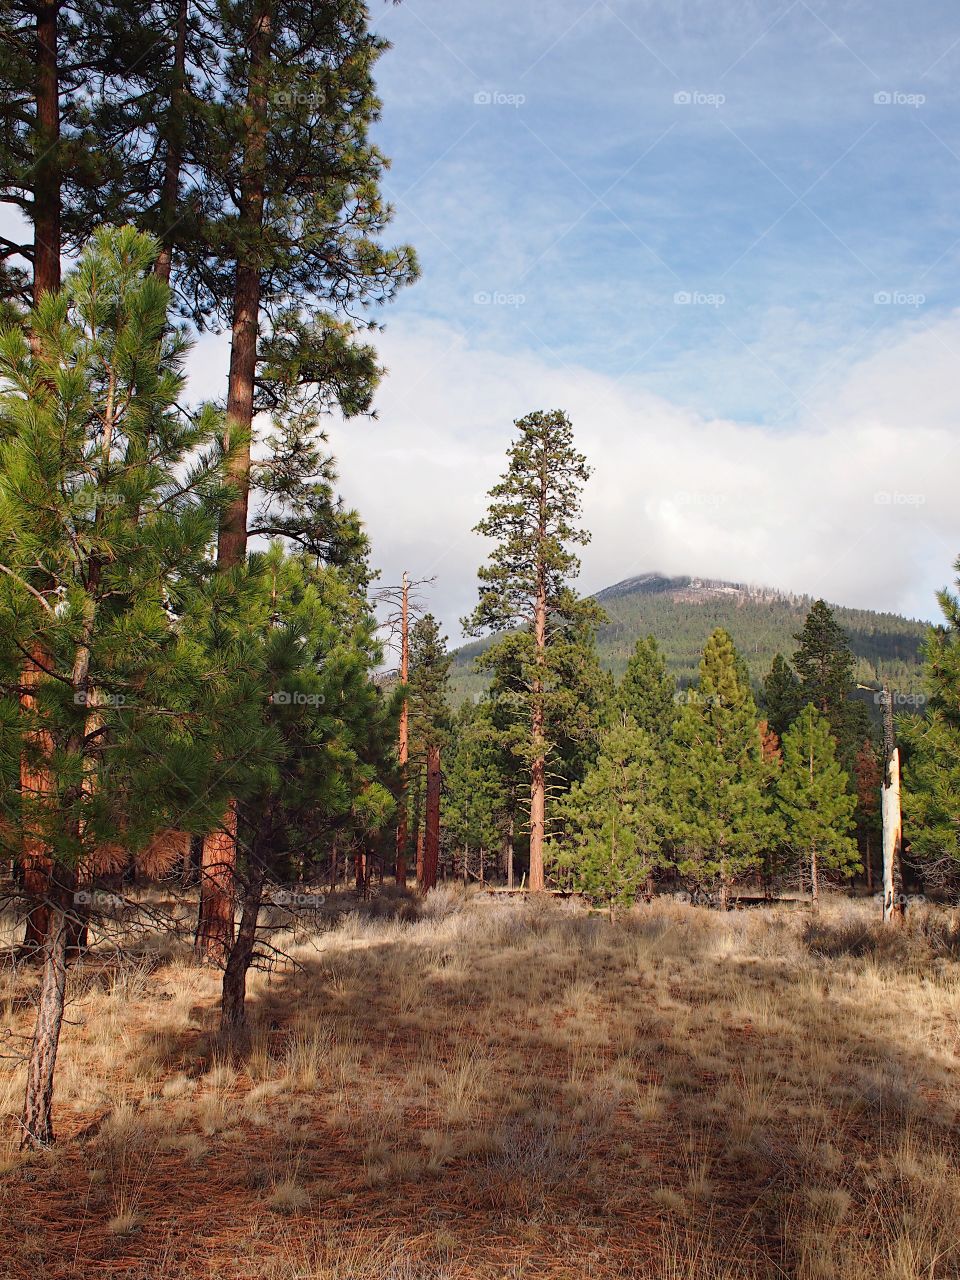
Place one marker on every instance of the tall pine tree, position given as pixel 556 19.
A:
pixel 524 587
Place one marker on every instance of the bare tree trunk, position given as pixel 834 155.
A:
pixel 38 1100
pixel 403 753
pixel 431 839
pixel 217 886
pixel 892 834
pixel 893 901
pixel 233 1012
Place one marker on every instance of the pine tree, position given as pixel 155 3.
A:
pixel 781 697
pixel 814 796
pixel 647 693
pixel 333 766
pixel 721 818
pixel 289 161
pixel 532 518
pixel 612 824
pixel 824 664
pixel 931 794
pixel 109 497
pixel 479 795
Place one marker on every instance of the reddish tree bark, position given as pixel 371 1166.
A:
pixel 215 925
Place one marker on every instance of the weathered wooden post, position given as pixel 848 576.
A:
pixel 893 898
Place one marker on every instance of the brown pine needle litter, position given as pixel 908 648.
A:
pixel 507 1089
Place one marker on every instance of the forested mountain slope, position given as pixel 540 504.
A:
pixel 682 611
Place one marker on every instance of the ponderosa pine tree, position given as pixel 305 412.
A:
pixel 781 698
pixel 931 784
pixel 646 693
pixel 109 499
pixel 524 587
pixel 824 664
pixel 612 824
pixel 721 817
pixel 814 796
pixel 298 252
pixel 335 733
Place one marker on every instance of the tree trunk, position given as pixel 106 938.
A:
pixel 173 162
pixel 46 279
pixel 892 832
pixel 893 901
pixel 509 853
pixel 538 772
pixel 814 879
pixel 233 1011
pixel 403 752
pixel 46 169
pixel 38 1099
pixel 215 924
pixel 431 838
pixel 216 896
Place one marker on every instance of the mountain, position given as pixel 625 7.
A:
pixel 681 612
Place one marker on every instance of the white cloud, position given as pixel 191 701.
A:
pixel 856 504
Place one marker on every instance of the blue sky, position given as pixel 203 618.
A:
pixel 725 237
pixel 586 189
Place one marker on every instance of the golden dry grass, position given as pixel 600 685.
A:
pixel 486 1088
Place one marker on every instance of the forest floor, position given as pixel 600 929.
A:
pixel 472 1087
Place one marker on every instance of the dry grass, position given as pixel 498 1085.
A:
pixel 484 1088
